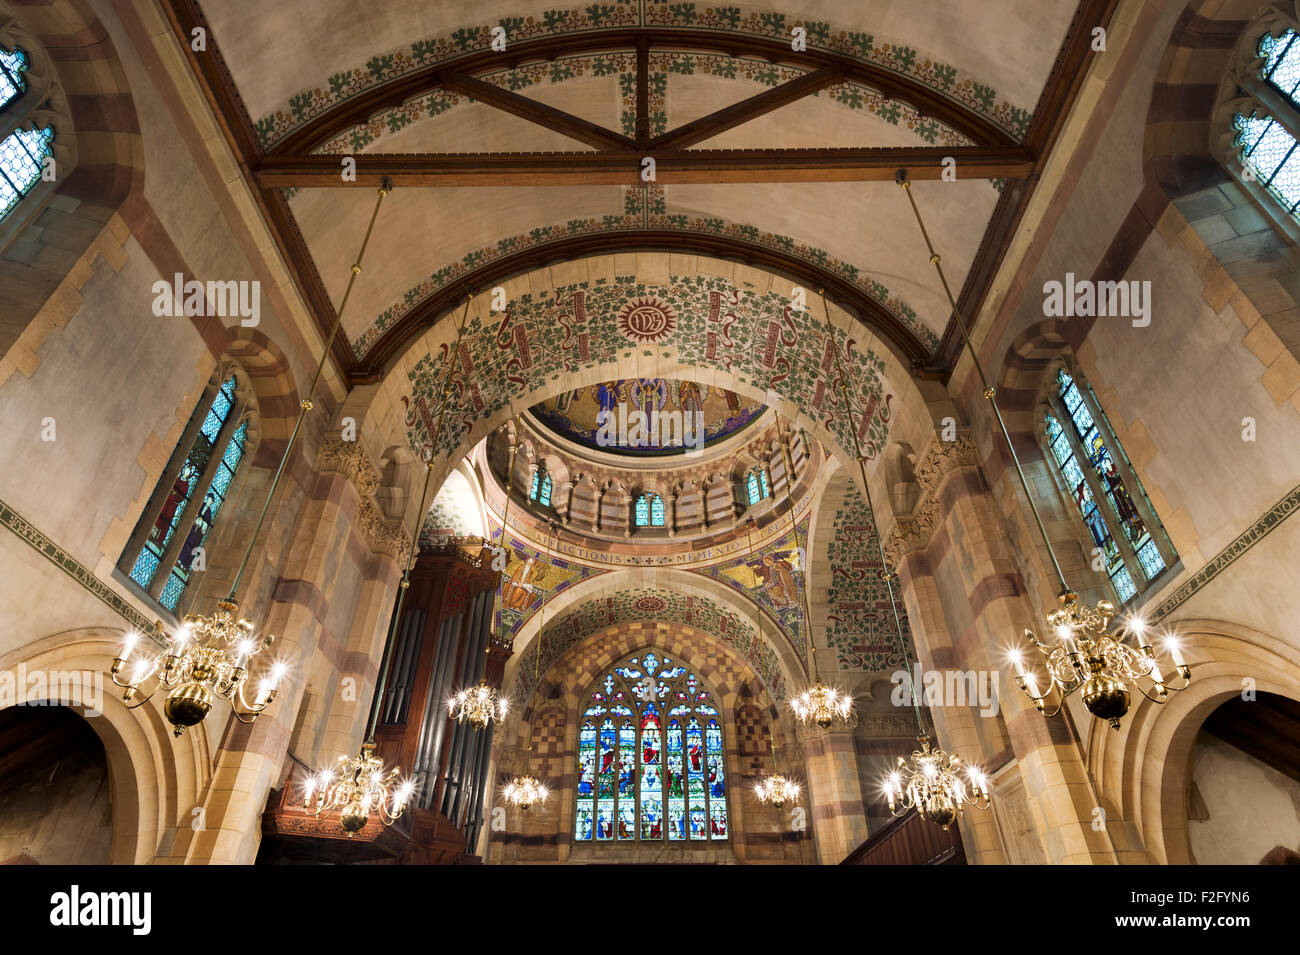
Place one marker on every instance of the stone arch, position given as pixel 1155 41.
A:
pixel 1143 770
pixel 789 667
pixel 516 364
pixel 101 168
pixel 156 778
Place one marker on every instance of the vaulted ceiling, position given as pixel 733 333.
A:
pixel 504 159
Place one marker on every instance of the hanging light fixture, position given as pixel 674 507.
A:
pixel 1086 656
pixel 481 703
pixel 358 785
pixel 933 784
pixel 525 791
pixel 932 781
pixel 775 790
pixel 209 655
pixel 819 703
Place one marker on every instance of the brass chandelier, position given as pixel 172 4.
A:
pixel 1085 657
pixel 209 654
pixel 358 784
pixel 932 781
pixel 819 703
pixel 775 790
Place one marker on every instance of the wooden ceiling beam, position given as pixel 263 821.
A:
pixel 531 110
pixel 360 108
pixel 729 117
pixel 623 169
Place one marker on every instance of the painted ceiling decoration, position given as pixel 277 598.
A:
pixel 577 415
pixel 577 624
pixel 758 338
pixel 645 209
pixel 859 621
pixel 454 511
pixel 381 68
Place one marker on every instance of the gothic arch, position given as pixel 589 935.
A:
pixel 156 778
pixel 1144 769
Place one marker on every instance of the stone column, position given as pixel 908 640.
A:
pixel 834 791
pixel 337 537
pixel 967 603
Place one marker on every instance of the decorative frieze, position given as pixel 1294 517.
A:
pixel 349 459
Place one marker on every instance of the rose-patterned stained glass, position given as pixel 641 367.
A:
pixel 182 490
pixel 651 767
pixel 12 82
pixel 22 155
pixel 1118 511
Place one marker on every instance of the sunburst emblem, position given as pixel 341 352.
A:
pixel 650 604
pixel 647 320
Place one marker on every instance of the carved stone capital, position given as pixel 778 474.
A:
pixel 939 458
pixel 349 459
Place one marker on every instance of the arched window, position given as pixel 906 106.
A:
pixel 1125 531
pixel 1266 137
pixel 751 485
pixel 164 552
pixel 22 151
pixel 650 757
pixel 12 83
pixel 649 511
pixel 540 489
pixel 756 486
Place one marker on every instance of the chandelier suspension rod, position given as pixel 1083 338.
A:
pixel 989 392
pixel 788 461
pixel 537 662
pixel 404 585
pixel 871 510
pixel 306 403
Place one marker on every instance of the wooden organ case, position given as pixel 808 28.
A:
pixel 443 642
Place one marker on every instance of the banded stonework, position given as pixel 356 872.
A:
pixel 914 531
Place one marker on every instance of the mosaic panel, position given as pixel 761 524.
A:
pixel 859 619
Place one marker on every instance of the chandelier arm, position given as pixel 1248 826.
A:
pixel 137 705
pixel 1160 700
pixel 871 511
pixel 989 392
pixel 306 404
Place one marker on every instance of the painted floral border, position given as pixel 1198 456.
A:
pixel 305 106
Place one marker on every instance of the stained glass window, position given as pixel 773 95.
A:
pixel 650 758
pixel 1090 472
pixel 22 154
pixel 648 511
pixel 544 494
pixel 642 511
pixel 1266 149
pixel 751 485
pixel 535 486
pixel 762 480
pixel 656 510
pixel 12 82
pixel 183 512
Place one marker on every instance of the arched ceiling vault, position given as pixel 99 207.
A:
pixel 764 153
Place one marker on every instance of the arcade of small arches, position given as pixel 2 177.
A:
pixel 430 501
